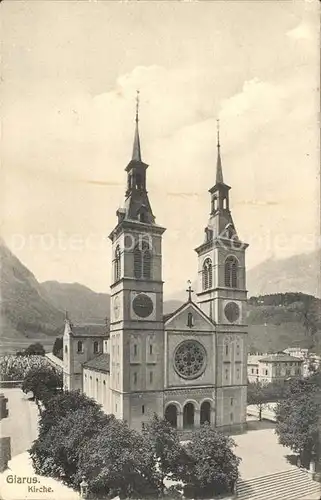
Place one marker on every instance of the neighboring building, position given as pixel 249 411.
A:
pixel 311 361
pixel 266 368
pixel 189 366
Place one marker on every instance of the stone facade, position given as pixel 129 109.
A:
pixel 189 366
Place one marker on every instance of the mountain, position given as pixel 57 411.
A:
pixel 83 304
pixel 293 274
pixel 25 308
pixel 31 310
pixel 277 321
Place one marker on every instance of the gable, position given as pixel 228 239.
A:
pixel 179 320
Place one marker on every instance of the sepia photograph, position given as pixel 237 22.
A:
pixel 160 250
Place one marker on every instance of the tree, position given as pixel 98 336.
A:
pixel 56 453
pixel 297 419
pixel 165 445
pixel 61 405
pixel 119 462
pixel 44 382
pixel 213 466
pixel 58 347
pixel 259 394
pixel 34 349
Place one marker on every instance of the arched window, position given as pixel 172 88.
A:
pixel 142 261
pixel 117 263
pixel 207 274
pixel 171 415
pixel 66 349
pixel 96 347
pixel 205 414
pixel 80 347
pixel 231 271
pixel 190 321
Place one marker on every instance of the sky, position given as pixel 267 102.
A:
pixel 70 71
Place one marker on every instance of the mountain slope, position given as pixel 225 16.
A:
pixel 296 273
pixel 25 309
pixel 83 304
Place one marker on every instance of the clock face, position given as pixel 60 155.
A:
pixel 116 307
pixel 143 305
pixel 232 312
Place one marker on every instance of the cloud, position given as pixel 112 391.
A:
pixel 302 32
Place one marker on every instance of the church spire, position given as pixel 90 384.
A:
pixel 219 171
pixel 136 156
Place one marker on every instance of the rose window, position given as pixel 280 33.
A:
pixel 189 359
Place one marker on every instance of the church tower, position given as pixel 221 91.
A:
pixel 136 327
pixel 222 295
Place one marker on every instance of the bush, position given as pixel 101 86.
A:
pixel 44 382
pixel 58 348
pixel 119 462
pixel 213 467
pixel 56 453
pixel 297 419
pixel 61 405
pixel 16 367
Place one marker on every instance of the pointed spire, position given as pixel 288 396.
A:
pixel 219 171
pixel 136 156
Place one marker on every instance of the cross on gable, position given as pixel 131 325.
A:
pixel 189 290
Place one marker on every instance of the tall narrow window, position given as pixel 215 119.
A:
pixel 142 261
pixel 231 272
pixel 135 378
pixel 207 274
pixel 96 347
pixel 190 322
pixel 80 347
pixel 135 349
pixel 137 262
pixel 143 409
pixel 150 348
pixel 117 263
pixel 226 349
pixel 150 377
pixel 147 261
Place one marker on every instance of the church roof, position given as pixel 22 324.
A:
pixel 166 317
pixel 100 363
pixel 277 358
pixel 137 155
pixel 95 330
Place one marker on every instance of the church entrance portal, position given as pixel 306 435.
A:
pixel 205 413
pixel 188 416
pixel 171 415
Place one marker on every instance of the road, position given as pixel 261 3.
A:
pixel 22 423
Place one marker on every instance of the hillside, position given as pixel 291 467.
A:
pixel 277 321
pixel 33 310
pixel 296 273
pixel 83 304
pixel 25 309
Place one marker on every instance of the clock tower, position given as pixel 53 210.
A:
pixel 136 327
pixel 222 296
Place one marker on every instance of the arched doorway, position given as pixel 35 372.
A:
pixel 171 415
pixel 188 416
pixel 205 412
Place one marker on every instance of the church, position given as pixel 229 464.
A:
pixel 189 366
